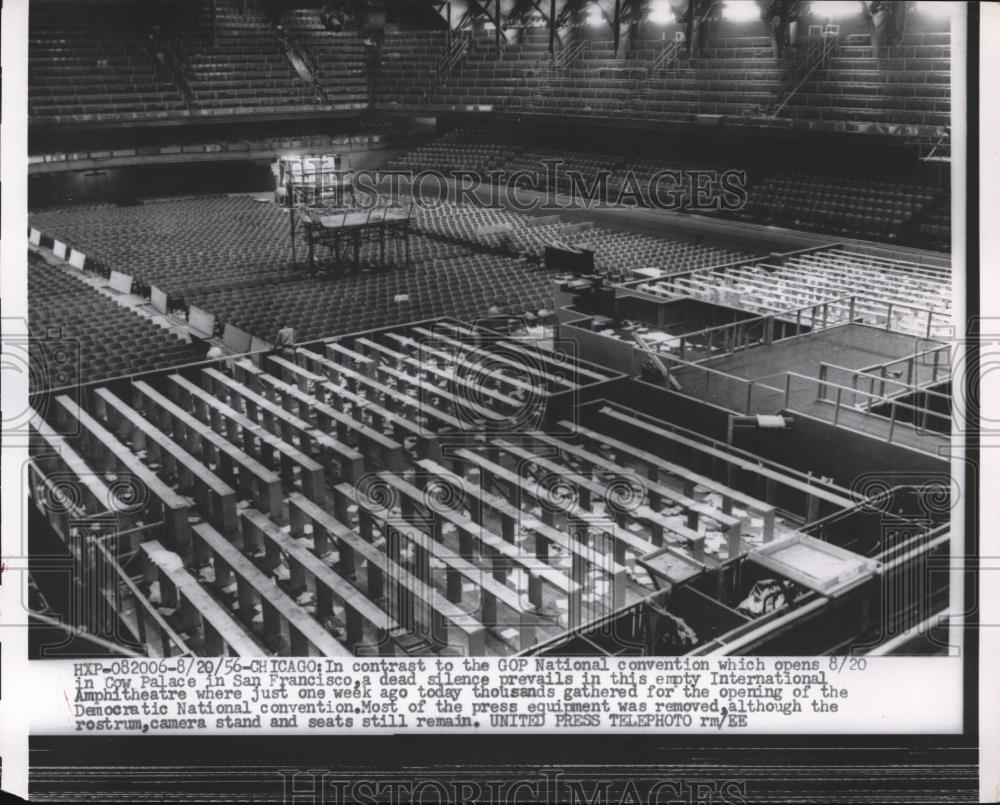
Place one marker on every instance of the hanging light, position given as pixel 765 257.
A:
pixel 835 10
pixel 662 13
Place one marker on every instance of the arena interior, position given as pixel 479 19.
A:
pixel 276 412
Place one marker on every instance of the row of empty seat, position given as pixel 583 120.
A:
pixel 851 206
pixel 907 84
pixel 733 76
pixel 878 209
pixel 78 335
pixel 232 256
pixel 465 285
pixel 94 61
pixel 615 252
pixel 112 61
pixel 902 296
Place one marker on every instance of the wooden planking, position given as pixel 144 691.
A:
pixel 213 409
pixel 387 452
pixel 734 461
pixel 685 501
pixel 687 477
pixel 357 378
pixel 448 375
pixel 210 611
pixel 471 630
pixel 234 462
pixel 60 452
pixel 99 439
pixel 326 578
pixel 458 567
pixel 282 423
pixel 211 491
pixel 584 555
pixel 321 641
pixel 608 525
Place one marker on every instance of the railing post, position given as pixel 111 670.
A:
pixel 682 345
pixel 892 422
pixel 836 410
pixel 888 316
pixel 934 368
pixel 826 310
pixel 930 318
pixel 788 388
pixel 909 371
pixel 749 395
pixel 851 314
pixel 798 322
pixel 821 386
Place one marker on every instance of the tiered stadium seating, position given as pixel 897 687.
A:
pixel 693 193
pixel 936 225
pixel 338 57
pixel 117 62
pixel 241 65
pixel 906 84
pixel 467 149
pixel 82 336
pixel 595 82
pixel 483 78
pixel 734 76
pixel 96 62
pixel 409 63
pixel 863 207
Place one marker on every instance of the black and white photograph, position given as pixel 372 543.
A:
pixel 493 366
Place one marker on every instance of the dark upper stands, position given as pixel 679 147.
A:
pixel 908 84
pixel 738 77
pixel 96 61
pixel 338 58
pixel 419 52
pixel 117 60
pixel 242 65
pixel 110 60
